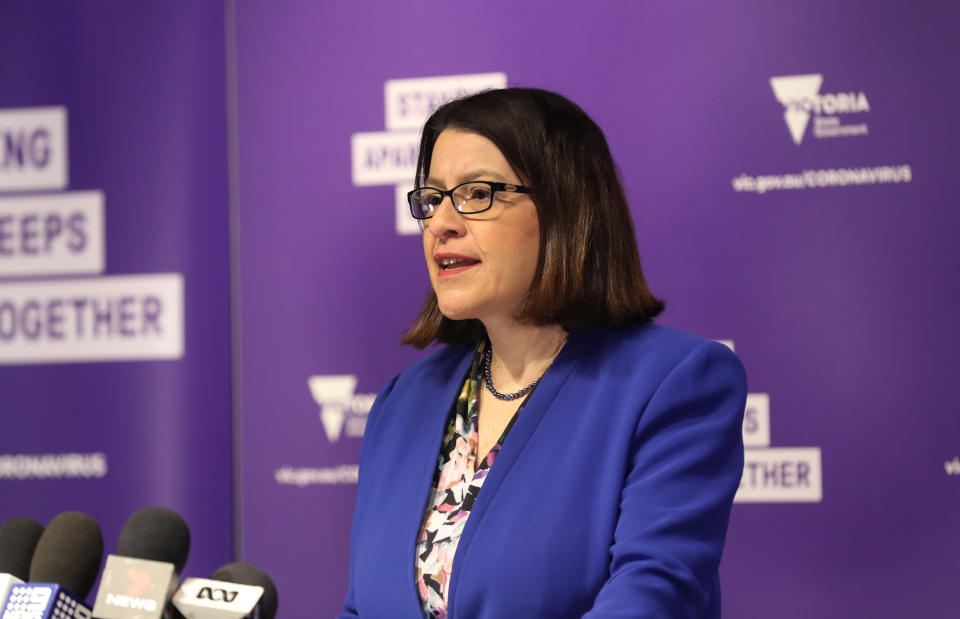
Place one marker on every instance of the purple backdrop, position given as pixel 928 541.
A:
pixel 144 90
pixel 839 296
pixel 791 179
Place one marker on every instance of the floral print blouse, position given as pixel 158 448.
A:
pixel 454 491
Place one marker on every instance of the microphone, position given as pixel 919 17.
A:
pixel 156 534
pixel 138 581
pixel 62 571
pixel 18 540
pixel 235 591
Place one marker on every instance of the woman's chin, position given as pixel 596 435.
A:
pixel 456 315
pixel 454 311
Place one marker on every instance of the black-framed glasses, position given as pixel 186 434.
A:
pixel 472 197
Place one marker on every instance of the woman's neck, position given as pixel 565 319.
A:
pixel 522 352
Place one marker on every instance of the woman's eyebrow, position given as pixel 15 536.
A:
pixel 472 175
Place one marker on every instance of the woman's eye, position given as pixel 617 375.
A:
pixel 480 193
pixel 434 200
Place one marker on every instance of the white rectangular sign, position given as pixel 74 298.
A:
pixel 202 598
pixel 133 588
pixel 408 102
pixel 756 420
pixel 781 475
pixel 52 234
pixel 33 148
pixel 115 318
pixel 384 157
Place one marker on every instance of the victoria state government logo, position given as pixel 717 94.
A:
pixel 342 410
pixel 801 99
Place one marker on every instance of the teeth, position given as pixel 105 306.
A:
pixel 448 261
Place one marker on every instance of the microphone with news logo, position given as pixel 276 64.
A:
pixel 139 580
pixel 63 569
pixel 18 540
pixel 235 591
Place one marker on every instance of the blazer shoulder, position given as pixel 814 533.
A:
pixel 639 358
pixel 650 343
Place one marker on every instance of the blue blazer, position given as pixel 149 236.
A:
pixel 610 498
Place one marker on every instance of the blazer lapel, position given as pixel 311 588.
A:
pixel 523 429
pixel 431 411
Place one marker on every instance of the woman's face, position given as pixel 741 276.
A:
pixel 495 252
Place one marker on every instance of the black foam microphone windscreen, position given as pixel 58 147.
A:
pixel 68 553
pixel 246 574
pixel 156 534
pixel 18 540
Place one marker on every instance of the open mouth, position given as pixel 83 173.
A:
pixel 456 263
pixel 451 264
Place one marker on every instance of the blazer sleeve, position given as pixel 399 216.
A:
pixel 350 602
pixel 685 466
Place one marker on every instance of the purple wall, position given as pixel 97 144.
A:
pixel 791 176
pixel 838 298
pixel 144 90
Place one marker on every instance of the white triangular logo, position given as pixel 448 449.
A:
pixel 333 394
pixel 332 418
pixel 792 91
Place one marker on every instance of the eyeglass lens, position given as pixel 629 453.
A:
pixel 467 198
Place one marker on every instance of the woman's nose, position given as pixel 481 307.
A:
pixel 446 221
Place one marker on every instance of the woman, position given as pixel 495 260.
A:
pixel 561 456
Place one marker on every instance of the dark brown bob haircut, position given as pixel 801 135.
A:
pixel 588 271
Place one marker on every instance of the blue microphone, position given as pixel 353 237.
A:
pixel 62 571
pixel 18 540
